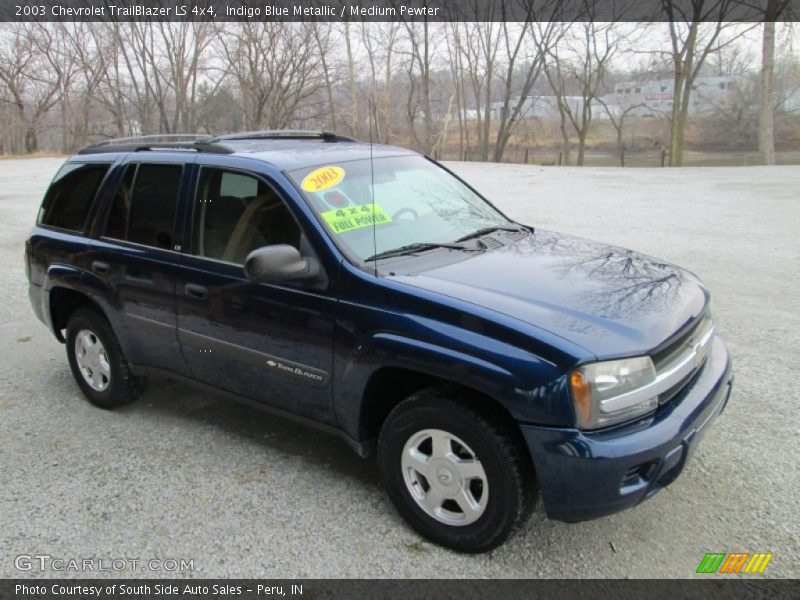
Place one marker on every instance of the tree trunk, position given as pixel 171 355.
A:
pixel 351 69
pixel 582 133
pixel 427 115
pixel 680 110
pixel 31 140
pixel 565 145
pixel 681 93
pixel 676 141
pixel 766 126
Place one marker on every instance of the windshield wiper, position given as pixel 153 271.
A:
pixel 485 230
pixel 411 248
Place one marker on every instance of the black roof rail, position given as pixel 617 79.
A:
pixel 283 134
pixel 204 143
pixel 170 141
pixel 167 137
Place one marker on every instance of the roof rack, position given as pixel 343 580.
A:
pixel 164 141
pixel 167 137
pixel 193 142
pixel 283 134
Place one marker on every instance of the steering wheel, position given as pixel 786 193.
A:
pixel 414 214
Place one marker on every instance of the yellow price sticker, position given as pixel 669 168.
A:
pixel 342 220
pixel 322 178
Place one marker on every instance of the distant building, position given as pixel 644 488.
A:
pixel 791 103
pixel 643 98
pixel 539 107
pixel 654 98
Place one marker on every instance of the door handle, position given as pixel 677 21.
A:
pixel 196 291
pixel 101 267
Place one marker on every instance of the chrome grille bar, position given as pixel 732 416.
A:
pixel 669 375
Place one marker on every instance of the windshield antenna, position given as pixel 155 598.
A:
pixel 372 186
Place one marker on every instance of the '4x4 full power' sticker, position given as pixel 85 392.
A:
pixel 347 219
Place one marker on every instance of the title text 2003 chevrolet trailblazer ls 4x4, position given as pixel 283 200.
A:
pixel 370 291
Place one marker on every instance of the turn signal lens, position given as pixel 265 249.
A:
pixel 582 396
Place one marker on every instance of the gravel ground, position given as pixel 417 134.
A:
pixel 186 474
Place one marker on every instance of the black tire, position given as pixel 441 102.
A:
pixel 494 442
pixel 122 385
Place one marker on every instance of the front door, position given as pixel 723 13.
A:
pixel 271 343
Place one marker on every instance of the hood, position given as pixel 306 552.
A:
pixel 609 300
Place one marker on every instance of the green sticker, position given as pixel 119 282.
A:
pixel 342 220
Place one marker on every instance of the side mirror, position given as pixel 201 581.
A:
pixel 279 263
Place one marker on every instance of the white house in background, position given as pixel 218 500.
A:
pixel 654 98
pixel 539 107
pixel 791 103
pixel 644 98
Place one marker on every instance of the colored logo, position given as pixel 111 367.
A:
pixel 735 562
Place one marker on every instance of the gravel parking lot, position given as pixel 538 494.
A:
pixel 184 474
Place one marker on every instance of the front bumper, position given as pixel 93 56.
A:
pixel 584 475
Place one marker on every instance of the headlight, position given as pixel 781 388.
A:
pixel 602 395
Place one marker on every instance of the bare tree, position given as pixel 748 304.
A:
pixel 92 59
pixel 323 35
pixel 145 90
pixel 422 49
pixel 379 41
pixel 33 70
pixel 355 123
pixel 617 118
pixel 476 45
pixel 275 67
pixel 185 48
pixel 525 59
pixel 591 51
pixel 766 113
pixel 453 39
pixel 106 66
pixel 502 60
pixel 694 34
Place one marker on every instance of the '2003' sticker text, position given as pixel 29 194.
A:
pixel 322 178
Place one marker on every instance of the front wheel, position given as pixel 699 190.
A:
pixel 456 472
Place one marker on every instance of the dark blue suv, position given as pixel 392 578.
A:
pixel 369 291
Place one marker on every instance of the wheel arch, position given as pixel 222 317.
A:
pixel 388 386
pixel 66 290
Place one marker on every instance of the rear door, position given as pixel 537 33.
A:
pixel 59 238
pixel 270 343
pixel 137 253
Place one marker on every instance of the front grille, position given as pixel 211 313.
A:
pixel 665 398
pixel 667 355
pixel 678 353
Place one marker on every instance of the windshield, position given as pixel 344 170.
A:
pixel 406 200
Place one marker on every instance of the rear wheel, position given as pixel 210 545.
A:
pixel 97 362
pixel 455 472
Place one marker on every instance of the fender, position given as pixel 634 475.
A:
pixel 523 383
pixel 71 278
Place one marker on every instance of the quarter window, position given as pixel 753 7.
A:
pixel 236 213
pixel 70 196
pixel 143 209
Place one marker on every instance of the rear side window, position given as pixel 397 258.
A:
pixel 70 196
pixel 143 209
